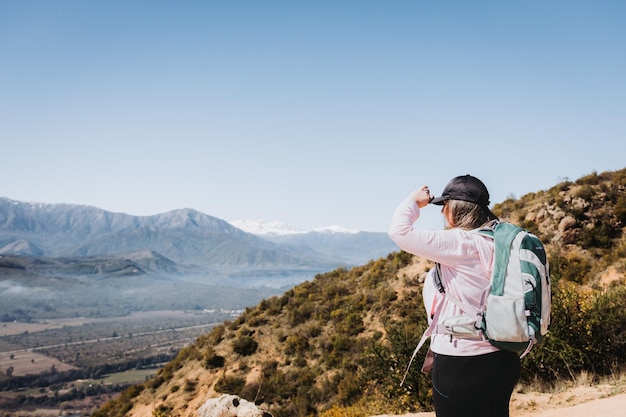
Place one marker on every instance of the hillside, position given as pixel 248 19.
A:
pixel 344 338
pixel 582 224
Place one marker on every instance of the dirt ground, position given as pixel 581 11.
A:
pixel 25 362
pixel 604 407
pixel 11 328
pixel 581 401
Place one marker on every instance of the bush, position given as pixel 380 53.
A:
pixel 296 344
pixel 120 406
pixel 352 324
pixel 213 360
pixel 385 363
pixel 587 333
pixel 569 267
pixel 230 385
pixel 190 386
pixel 245 345
pixel 162 411
pixel 339 348
pixel 349 389
pixel 301 313
pixel 606 346
pixel 601 235
pixel 155 382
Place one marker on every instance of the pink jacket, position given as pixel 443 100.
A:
pixel 466 260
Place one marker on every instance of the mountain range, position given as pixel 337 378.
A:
pixel 60 259
pixel 186 237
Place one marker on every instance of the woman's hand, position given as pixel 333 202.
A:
pixel 422 196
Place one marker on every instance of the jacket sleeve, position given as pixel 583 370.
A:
pixel 445 246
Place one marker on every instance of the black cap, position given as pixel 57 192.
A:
pixel 466 188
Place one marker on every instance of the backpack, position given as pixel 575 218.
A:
pixel 514 313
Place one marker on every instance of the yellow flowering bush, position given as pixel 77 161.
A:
pixel 587 333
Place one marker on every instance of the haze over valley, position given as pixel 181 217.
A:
pixel 61 260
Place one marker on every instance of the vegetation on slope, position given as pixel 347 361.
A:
pixel 344 338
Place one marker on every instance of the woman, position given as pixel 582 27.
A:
pixel 470 376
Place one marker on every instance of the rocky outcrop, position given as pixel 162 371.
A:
pixel 230 406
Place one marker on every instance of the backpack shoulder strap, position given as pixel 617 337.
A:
pixel 463 306
pixel 504 233
pixel 427 333
pixel 488 229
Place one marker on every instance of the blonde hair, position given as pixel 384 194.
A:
pixel 467 215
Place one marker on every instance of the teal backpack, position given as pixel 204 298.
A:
pixel 515 312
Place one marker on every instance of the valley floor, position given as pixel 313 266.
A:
pixel 104 355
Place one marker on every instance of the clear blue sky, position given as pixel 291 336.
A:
pixel 309 112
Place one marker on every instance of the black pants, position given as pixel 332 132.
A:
pixel 465 386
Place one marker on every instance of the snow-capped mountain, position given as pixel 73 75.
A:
pixel 353 246
pixel 277 228
pixel 335 229
pixel 262 228
pixel 185 236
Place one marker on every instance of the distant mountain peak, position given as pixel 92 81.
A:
pixel 335 229
pixel 276 228
pixel 260 227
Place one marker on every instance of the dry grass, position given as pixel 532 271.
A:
pixel 25 362
pixel 12 328
pixel 539 400
pixel 585 387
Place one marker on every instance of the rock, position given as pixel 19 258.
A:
pixel 567 223
pixel 230 406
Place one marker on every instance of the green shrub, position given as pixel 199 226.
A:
pixel 121 405
pixel 352 324
pixel 338 350
pixel 162 411
pixel 586 192
pixel 155 382
pixel 257 320
pixel 190 386
pixel 301 313
pixel 590 179
pixel 245 345
pixel 230 385
pixel 296 344
pixel 620 209
pixel 350 389
pixel 587 333
pixel 569 267
pixel 213 360
pixel 601 235
pixel 606 346
pixel 385 362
